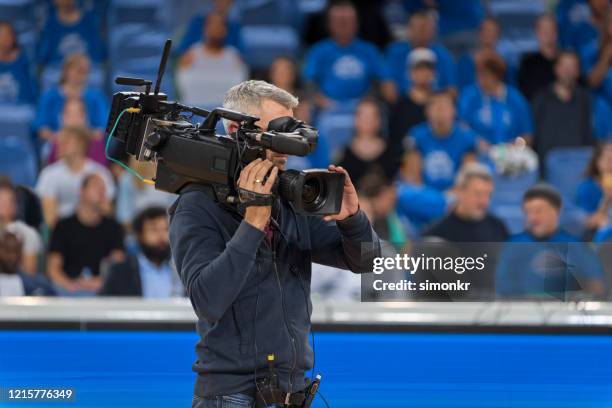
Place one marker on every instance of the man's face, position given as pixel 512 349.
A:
pixel 342 23
pixel 567 69
pixel 474 198
pixel 488 34
pixel 215 29
pixel 271 110
pixel 422 30
pixel 94 193
pixel 546 31
pixel 8 205
pixel 541 217
pixel 441 112
pixel 423 76
pixel 69 145
pixel 155 233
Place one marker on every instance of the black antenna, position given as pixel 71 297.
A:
pixel 162 64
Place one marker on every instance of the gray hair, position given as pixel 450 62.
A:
pixel 470 171
pixel 246 97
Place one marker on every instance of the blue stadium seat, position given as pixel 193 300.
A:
pixel 263 43
pixel 17 160
pixel 15 120
pixel 509 190
pixel 336 125
pixel 565 169
pixel 153 13
pixel 269 12
pixel 135 41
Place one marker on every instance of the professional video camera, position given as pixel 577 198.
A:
pixel 151 128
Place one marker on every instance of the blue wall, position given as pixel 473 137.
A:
pixel 152 369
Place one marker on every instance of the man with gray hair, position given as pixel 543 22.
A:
pixel 470 220
pixel 248 273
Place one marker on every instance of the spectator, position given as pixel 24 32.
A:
pixel 544 260
pixel 440 146
pixel 74 115
pixel 51 113
pixel 497 112
pixel 59 183
pixel 578 35
pixel 16 81
pixel 68 31
pixel 421 33
pixel 368 148
pixel 602 126
pixel 81 241
pixel 597 60
pixel 209 68
pixel 536 69
pixel 134 196
pixel 470 220
pixel 409 110
pixel 150 273
pixel 13 281
pixel 488 37
pixel 194 33
pixel 594 193
pixel 343 68
pixel 27 236
pixel 562 111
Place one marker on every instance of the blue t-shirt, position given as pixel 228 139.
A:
pixel 442 156
pixel 603 235
pixel 344 72
pixel 397 60
pixel 588 58
pixel 51 105
pixel 588 195
pixel 497 120
pixel 17 84
pixel 550 267
pixel 602 119
pixel 195 33
pixel 58 40
pixel 573 20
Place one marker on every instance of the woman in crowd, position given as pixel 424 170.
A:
pixel 368 148
pixel 597 61
pixel 72 86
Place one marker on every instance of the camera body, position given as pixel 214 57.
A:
pixel 150 128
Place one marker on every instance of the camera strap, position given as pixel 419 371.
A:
pixel 249 198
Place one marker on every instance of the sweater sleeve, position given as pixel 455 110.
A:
pixel 348 244
pixel 213 272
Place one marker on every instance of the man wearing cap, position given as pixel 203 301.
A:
pixel 409 110
pixel 544 261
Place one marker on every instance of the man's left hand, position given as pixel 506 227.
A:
pixel 350 202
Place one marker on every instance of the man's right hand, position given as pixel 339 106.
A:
pixel 252 179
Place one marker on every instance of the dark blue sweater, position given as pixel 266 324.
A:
pixel 252 297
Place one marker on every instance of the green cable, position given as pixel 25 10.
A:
pixel 126 167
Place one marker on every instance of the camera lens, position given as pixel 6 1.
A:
pixel 314 193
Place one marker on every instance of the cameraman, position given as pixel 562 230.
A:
pixel 248 277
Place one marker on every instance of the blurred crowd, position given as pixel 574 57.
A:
pixel 449 129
